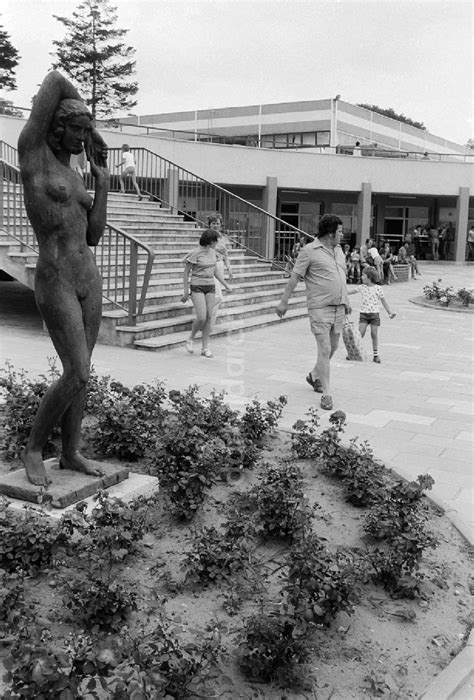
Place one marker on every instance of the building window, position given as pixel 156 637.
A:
pixel 347 214
pixel 323 138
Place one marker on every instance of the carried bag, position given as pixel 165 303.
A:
pixel 353 342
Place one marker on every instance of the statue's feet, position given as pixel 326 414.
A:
pixel 35 469
pixel 78 463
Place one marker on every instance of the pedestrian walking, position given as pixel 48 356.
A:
pixel 128 170
pixel 322 266
pixel 200 266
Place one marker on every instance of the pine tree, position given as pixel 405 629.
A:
pixel 9 58
pixel 96 59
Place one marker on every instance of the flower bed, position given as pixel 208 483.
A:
pixel 445 296
pixel 318 570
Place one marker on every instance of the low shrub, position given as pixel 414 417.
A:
pixel 128 420
pixel 166 666
pixel 260 419
pixel 28 541
pixel 218 555
pixel 304 438
pixel 100 603
pixel 184 462
pixel 466 296
pixel 283 509
pixel 316 587
pixel 399 522
pixel 22 400
pixel 271 648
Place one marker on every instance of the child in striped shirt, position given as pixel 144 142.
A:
pixel 371 293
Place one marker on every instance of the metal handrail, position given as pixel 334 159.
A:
pixel 121 280
pixel 116 257
pixel 195 198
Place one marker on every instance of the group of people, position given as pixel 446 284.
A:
pixel 438 237
pixel 368 255
pixel 321 263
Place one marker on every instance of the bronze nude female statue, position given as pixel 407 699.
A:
pixel 68 287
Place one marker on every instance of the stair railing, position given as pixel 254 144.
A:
pixel 117 256
pixel 261 234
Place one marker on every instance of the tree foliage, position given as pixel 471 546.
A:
pixel 9 58
pixel 389 112
pixel 95 57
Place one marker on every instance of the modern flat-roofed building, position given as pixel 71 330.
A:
pixel 316 124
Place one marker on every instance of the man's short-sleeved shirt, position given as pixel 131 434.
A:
pixel 324 273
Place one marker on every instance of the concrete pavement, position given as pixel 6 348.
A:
pixel 415 408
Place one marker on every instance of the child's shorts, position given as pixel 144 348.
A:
pixel 370 319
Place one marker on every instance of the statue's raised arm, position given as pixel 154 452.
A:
pixel 66 219
pixel 54 88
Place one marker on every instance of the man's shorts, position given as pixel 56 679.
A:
pixel 327 319
pixel 203 288
pixel 370 319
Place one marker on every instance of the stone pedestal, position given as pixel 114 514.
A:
pixel 66 488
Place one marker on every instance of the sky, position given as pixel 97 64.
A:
pixel 414 56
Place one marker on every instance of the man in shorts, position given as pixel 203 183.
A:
pixel 321 264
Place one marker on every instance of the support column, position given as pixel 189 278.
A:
pixel 364 205
pixel 269 204
pixel 172 189
pixel 462 219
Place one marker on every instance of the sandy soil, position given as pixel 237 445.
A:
pixel 388 648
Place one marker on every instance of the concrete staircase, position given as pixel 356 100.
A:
pixel 165 320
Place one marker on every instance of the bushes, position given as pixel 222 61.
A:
pixel 316 588
pixel 271 649
pixel 396 515
pixel 128 420
pixel 28 542
pixel 23 397
pixel 446 295
pixel 294 586
pixel 282 508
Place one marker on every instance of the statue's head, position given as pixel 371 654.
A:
pixel 68 109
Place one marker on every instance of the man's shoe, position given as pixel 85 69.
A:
pixel 377 359
pixel 326 402
pixel 315 383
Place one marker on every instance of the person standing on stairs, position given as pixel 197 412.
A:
pixel 68 288
pixel 200 265
pixel 129 168
pixel 322 265
pixel 215 222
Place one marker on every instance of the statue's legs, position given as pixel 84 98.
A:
pixel 73 325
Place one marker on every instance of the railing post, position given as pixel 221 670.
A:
pixel 132 280
pixel 2 195
pixel 270 205
pixel 172 189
